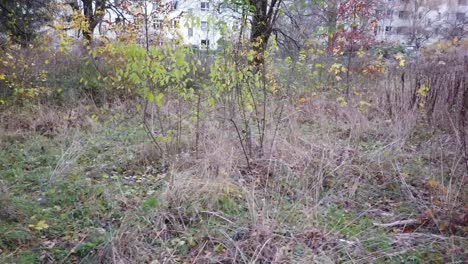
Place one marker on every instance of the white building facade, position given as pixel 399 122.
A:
pixel 197 23
pixel 414 23
pixel 202 24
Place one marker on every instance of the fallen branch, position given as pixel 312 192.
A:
pixel 420 235
pixel 218 215
pixel 399 223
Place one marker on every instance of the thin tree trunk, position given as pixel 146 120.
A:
pixel 264 17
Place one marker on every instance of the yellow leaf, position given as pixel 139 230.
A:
pixel 2 77
pixel 444 190
pixel 401 63
pixel 41 225
pixel 433 183
pixel 360 53
pixel 423 90
pixel 401 60
pixel 364 104
pixel 342 101
pixel 46 62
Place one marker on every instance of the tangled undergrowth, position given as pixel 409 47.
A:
pixel 340 184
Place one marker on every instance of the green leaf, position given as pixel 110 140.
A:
pixel 211 102
pixel 150 97
pixel 135 78
pixel 159 99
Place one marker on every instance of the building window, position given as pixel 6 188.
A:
pixel 222 7
pixel 157 24
pixel 175 4
pixel 403 14
pixel 205 6
pixel 460 16
pixel 402 30
pixel 389 12
pixel 457 31
pixel 174 23
pixel 463 2
pixel 204 25
pixel 378 13
pixel 388 29
pixel 205 43
pixel 190 32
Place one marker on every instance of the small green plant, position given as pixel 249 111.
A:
pixel 28 257
pixel 150 203
pixel 13 235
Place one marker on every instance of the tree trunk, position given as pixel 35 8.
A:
pixel 93 11
pixel 331 24
pixel 261 31
pixel 264 15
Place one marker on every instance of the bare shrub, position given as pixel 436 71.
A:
pixel 437 86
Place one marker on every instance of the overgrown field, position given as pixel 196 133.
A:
pixel 118 154
pixel 341 184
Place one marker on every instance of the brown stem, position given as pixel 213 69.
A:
pixel 242 144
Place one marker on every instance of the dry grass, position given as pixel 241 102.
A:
pixel 323 157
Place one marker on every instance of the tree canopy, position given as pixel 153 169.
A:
pixel 22 20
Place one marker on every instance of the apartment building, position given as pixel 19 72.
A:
pixel 415 23
pixel 197 23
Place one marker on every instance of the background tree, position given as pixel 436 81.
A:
pixel 425 21
pixel 93 11
pixel 321 21
pixel 355 32
pixel 147 12
pixel 262 17
pixel 308 20
pixel 299 25
pixel 22 20
pixel 136 14
pixel 455 28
